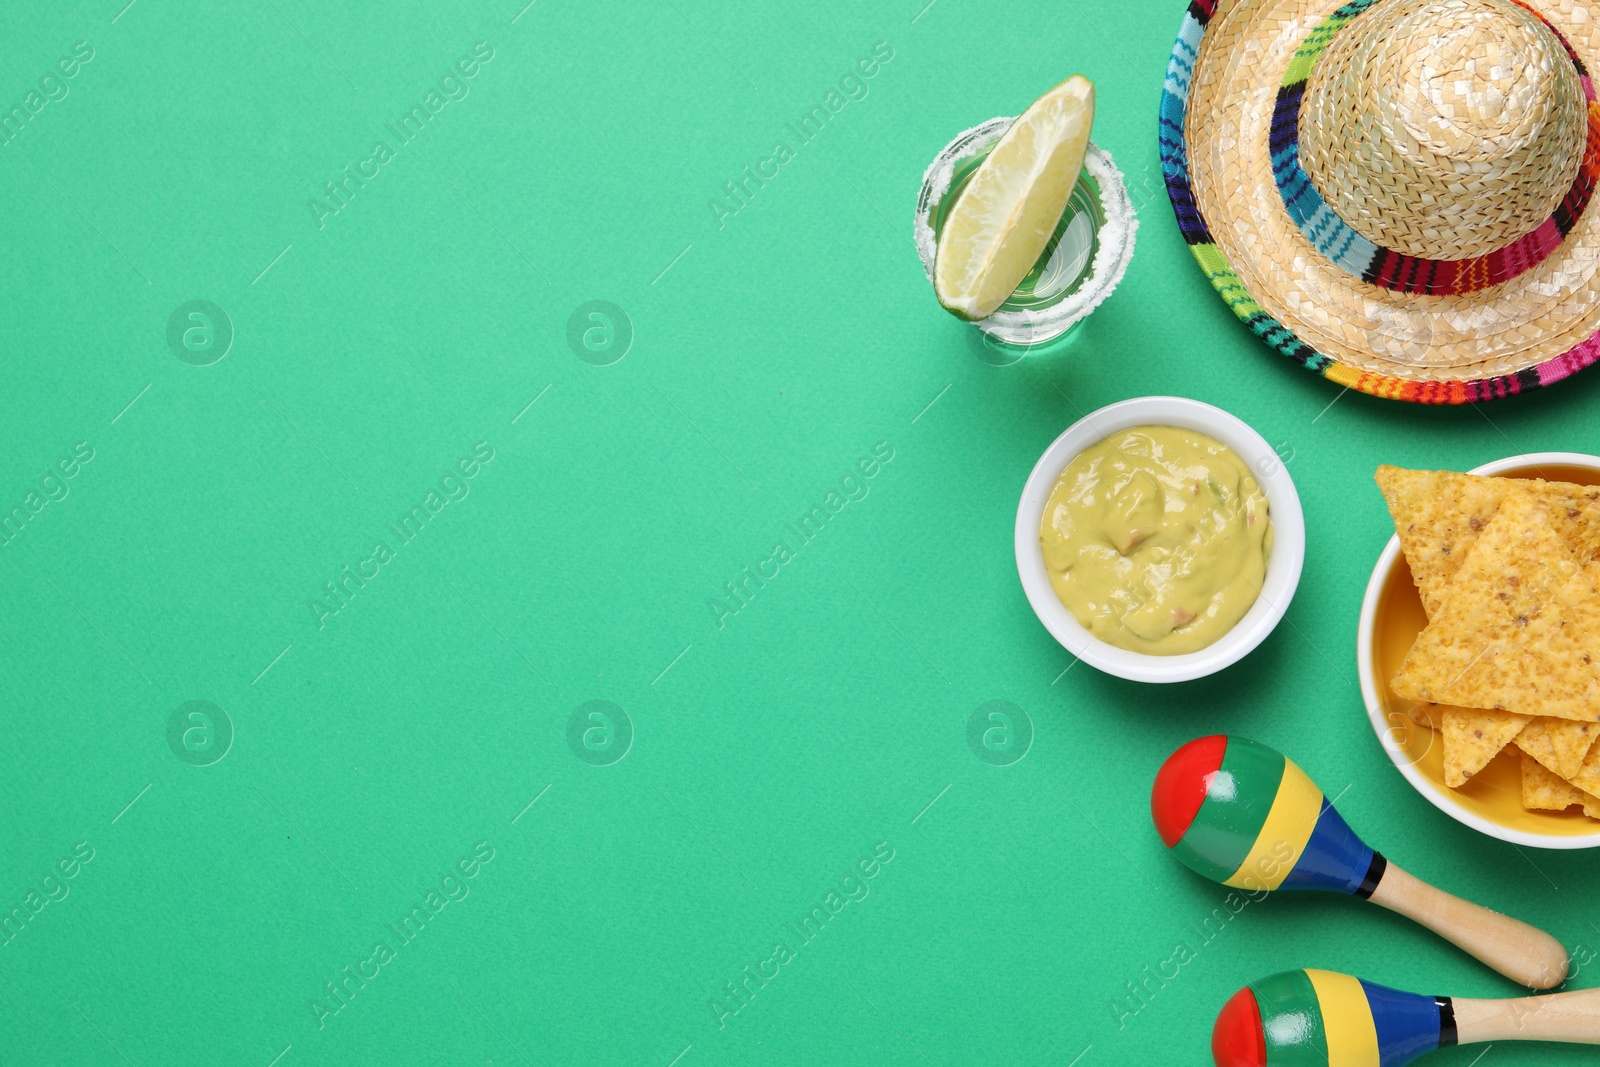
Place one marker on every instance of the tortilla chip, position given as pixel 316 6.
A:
pixel 1472 738
pixel 1543 791
pixel 1426 714
pixel 1558 744
pixel 1588 776
pixel 1439 516
pixel 1555 662
pixel 1472 654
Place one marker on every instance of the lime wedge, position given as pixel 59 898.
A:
pixel 1009 210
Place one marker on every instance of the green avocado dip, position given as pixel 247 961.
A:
pixel 1157 539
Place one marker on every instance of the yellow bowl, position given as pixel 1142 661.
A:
pixel 1391 619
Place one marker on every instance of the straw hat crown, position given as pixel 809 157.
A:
pixel 1444 129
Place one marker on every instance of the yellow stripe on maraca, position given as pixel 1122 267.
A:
pixel 1346 1020
pixel 1283 837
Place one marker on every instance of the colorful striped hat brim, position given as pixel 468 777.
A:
pixel 1392 326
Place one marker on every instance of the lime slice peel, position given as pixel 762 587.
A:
pixel 1009 209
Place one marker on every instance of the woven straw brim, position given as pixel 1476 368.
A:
pixel 1338 324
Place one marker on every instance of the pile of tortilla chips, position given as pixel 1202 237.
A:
pixel 1507 572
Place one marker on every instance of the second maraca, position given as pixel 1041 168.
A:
pixel 1323 1019
pixel 1245 815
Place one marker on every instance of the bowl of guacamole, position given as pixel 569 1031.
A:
pixel 1160 539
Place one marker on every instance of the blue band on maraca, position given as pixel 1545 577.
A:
pixel 1334 858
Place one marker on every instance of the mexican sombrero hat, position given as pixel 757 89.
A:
pixel 1395 193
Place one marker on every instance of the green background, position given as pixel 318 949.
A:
pixel 770 353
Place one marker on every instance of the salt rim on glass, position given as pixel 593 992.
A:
pixel 1033 326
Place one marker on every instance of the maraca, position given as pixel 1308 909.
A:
pixel 1244 815
pixel 1324 1019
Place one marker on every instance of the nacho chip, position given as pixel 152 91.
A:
pixel 1559 744
pixel 1557 656
pixel 1472 654
pixel 1472 738
pixel 1588 776
pixel 1426 714
pixel 1439 516
pixel 1543 791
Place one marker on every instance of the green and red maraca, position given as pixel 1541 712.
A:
pixel 1324 1019
pixel 1245 815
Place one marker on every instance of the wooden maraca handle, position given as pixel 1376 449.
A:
pixel 1572 1017
pixel 1521 952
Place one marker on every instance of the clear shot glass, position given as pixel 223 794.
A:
pixel 1081 265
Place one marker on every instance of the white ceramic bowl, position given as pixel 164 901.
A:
pixel 1439 795
pixel 1283 569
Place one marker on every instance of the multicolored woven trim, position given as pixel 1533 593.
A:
pixel 1192 224
pixel 1338 241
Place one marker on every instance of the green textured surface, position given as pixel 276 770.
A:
pixel 771 353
